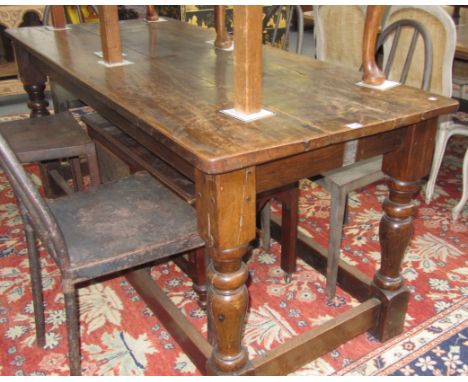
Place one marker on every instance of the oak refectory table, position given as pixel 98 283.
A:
pixel 169 99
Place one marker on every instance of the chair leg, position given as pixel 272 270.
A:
pixel 77 176
pixel 442 138
pixel 93 166
pixel 265 225
pixel 36 281
pixel 338 202
pixel 73 328
pixel 289 222
pixel 464 198
pixel 198 259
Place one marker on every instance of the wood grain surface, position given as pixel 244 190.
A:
pixel 173 92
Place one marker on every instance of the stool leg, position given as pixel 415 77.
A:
pixel 36 280
pixel 73 329
pixel 457 209
pixel 338 202
pixel 198 258
pixel 77 176
pixel 289 222
pixel 93 165
pixel 442 137
pixel 265 225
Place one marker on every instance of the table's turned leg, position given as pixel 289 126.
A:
pixel 33 81
pixel 404 169
pixel 226 219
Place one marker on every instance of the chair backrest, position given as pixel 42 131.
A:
pixel 338 32
pixel 275 13
pixel 394 32
pixel 442 31
pixel 76 14
pixel 37 211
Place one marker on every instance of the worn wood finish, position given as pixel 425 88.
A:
pixel 226 220
pixel 52 137
pixel 33 82
pixel 248 58
pixel 59 20
pixel 170 101
pixel 396 227
pixel 186 77
pixel 110 34
pixel 305 348
pixel 223 40
pixel 371 73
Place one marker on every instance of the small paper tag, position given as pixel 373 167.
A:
pixel 354 125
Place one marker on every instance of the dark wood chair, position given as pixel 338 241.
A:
pixel 53 137
pixel 110 228
pixel 121 155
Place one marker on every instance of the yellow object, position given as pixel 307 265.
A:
pixel 87 12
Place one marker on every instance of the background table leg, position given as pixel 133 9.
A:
pixel 34 82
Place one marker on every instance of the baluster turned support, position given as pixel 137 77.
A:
pixel 372 74
pixel 226 218
pixel 404 168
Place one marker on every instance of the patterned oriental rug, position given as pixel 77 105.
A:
pixel 120 336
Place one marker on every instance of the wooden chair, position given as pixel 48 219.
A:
pixel 338 34
pixel 116 148
pixel 443 35
pixel 111 228
pixel 53 137
pixel 346 179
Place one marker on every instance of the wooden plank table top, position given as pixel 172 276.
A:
pixel 178 84
pixel 169 101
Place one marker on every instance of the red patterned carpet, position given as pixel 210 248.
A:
pixel 120 336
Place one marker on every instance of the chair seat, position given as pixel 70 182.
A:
pixel 124 224
pixel 370 169
pixel 45 138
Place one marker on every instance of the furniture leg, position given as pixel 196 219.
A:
pixel 77 176
pixel 36 280
pixel 464 198
pixel 226 220
pixel 265 225
pixel 337 212
pixel 73 328
pixel 290 203
pixel 33 81
pixel 198 259
pixel 442 138
pixel 404 168
pixel 93 166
